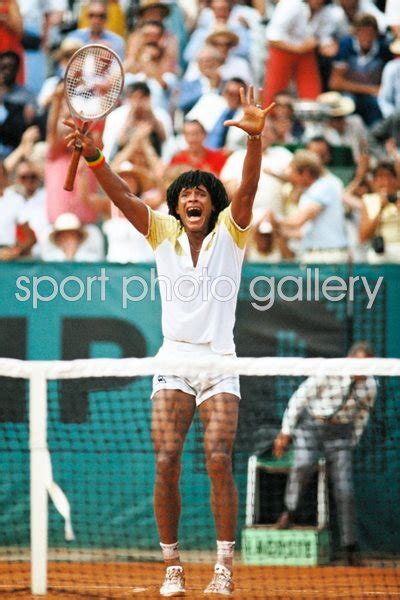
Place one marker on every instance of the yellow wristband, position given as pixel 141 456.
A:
pixel 95 162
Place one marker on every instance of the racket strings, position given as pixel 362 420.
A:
pixel 93 82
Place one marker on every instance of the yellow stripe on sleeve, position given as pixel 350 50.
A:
pixel 162 227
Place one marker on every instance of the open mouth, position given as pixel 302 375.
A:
pixel 193 213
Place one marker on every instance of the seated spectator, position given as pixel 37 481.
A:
pixel 116 21
pixel 380 215
pixel 348 11
pixel 125 244
pixel 357 69
pixel 218 13
pixel 28 183
pixel 389 92
pixel 289 128
pixel 292 42
pixel 11 29
pixel 136 111
pixel 71 241
pixel 320 146
pixel 154 12
pixel 275 161
pixel 17 104
pixel 342 127
pixel 11 215
pixel 197 155
pixel 96 33
pixel 203 78
pixel 225 41
pixel 213 110
pixel 57 162
pixel 319 220
pixel 150 68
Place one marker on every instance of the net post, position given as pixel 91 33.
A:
pixel 38 489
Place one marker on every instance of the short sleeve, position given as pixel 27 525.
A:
pixel 238 234
pixel 162 227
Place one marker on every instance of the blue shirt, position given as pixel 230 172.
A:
pixel 327 230
pixel 108 38
pixel 362 68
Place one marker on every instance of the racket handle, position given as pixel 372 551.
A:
pixel 72 169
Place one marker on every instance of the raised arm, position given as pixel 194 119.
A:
pixel 116 189
pixel 252 122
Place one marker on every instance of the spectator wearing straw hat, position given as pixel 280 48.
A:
pixel 342 127
pixel 389 93
pixel 327 415
pixel 71 241
pixel 225 40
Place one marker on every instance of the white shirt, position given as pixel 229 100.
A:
pixel 389 92
pixel 125 243
pixel 116 122
pixel 198 302
pixel 11 207
pixel 208 109
pixel 90 250
pixel 323 397
pixel 269 191
pixel 34 213
pixel 392 12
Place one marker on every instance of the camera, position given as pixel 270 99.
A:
pixel 392 198
pixel 378 244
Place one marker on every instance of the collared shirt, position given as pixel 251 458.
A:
pixel 362 68
pixel 198 302
pixel 327 230
pixel 108 38
pixel 322 397
pixel 293 22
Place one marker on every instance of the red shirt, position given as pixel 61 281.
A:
pixel 212 160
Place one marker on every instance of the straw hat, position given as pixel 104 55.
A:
pixel 67 48
pixel 67 222
pixel 340 106
pixel 142 175
pixel 223 31
pixel 395 46
pixel 146 4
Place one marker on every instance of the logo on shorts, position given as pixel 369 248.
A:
pixel 161 379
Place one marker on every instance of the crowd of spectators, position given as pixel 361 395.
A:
pixel 330 184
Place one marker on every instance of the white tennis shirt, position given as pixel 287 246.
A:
pixel 198 302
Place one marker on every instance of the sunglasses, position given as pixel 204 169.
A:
pixel 28 177
pixel 102 16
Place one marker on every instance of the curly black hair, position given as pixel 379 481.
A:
pixel 193 179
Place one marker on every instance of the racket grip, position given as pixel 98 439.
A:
pixel 72 169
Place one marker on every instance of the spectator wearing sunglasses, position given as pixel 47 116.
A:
pixel 97 33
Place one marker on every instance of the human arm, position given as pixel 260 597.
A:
pixel 252 123
pixel 12 18
pixel 364 404
pixel 369 223
pixel 302 215
pixel 21 248
pixel 339 82
pixel 24 150
pixel 114 186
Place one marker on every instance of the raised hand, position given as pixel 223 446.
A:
pixel 79 139
pixel 253 119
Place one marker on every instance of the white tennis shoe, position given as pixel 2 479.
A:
pixel 221 583
pixel 174 582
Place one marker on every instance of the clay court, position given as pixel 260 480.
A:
pixel 141 580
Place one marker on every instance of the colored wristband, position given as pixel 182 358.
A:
pixel 94 162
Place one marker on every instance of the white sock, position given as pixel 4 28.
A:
pixel 170 551
pixel 225 551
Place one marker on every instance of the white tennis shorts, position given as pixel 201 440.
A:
pixel 200 387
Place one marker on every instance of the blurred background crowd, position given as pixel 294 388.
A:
pixel 330 184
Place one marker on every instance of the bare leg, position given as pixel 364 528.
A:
pixel 219 415
pixel 173 412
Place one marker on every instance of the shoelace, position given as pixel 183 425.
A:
pixel 173 576
pixel 219 580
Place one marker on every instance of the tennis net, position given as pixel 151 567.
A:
pixel 77 476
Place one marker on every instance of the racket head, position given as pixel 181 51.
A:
pixel 93 82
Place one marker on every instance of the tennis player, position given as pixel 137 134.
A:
pixel 198 247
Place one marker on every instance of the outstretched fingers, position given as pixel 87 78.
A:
pixel 251 94
pixel 259 102
pixel 269 108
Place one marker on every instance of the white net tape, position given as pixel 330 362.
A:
pixel 136 367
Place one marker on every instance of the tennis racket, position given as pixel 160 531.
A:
pixel 93 82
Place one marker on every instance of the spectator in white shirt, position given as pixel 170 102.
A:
pixel 72 241
pixel 11 211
